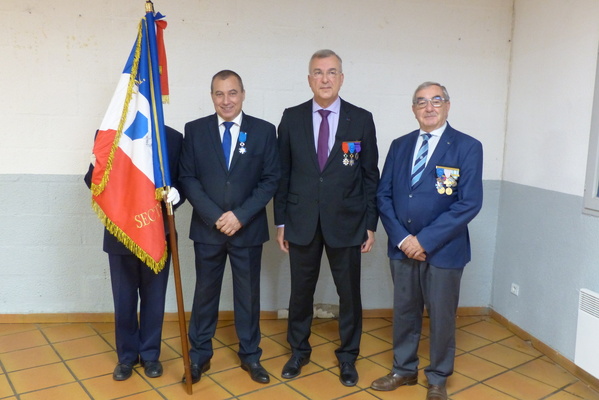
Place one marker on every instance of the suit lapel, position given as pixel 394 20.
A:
pixel 342 129
pixel 409 158
pixel 245 127
pixel 309 134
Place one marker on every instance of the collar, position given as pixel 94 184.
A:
pixel 334 108
pixel 437 132
pixel 236 120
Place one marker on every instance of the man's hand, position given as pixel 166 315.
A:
pixel 228 223
pixel 173 196
pixel 283 244
pixel 367 245
pixel 412 248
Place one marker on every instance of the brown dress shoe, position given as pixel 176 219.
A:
pixel 393 381
pixel 436 393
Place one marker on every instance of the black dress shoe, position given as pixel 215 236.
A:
pixel 196 371
pixel 257 372
pixel 293 367
pixel 153 369
pixel 122 372
pixel 349 375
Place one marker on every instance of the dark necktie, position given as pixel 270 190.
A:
pixel 420 161
pixel 322 150
pixel 227 142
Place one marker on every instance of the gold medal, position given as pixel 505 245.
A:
pixel 448 191
pixel 441 190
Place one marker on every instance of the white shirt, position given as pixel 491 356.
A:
pixel 234 133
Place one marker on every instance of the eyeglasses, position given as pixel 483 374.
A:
pixel 436 102
pixel 331 74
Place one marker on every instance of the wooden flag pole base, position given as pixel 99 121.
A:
pixel 180 304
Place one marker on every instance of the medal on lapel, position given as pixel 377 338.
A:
pixel 345 148
pixel 242 138
pixel 447 179
pixel 352 149
pixel 351 152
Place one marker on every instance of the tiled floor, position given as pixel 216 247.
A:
pixel 75 361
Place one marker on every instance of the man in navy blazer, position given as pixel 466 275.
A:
pixel 430 189
pixel 133 283
pixel 326 202
pixel 229 171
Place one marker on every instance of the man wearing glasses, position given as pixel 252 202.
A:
pixel 326 200
pixel 430 189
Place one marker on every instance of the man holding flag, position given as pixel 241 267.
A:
pixel 133 157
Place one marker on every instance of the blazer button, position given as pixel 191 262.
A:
pixel 321 179
pixel 410 195
pixel 409 221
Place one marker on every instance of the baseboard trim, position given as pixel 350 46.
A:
pixel 173 316
pixel 555 356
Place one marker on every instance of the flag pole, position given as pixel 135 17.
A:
pixel 176 271
pixel 180 306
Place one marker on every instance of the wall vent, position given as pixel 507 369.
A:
pixel 587 333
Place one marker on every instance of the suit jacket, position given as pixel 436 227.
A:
pixel 439 221
pixel 174 140
pixel 342 197
pixel 245 188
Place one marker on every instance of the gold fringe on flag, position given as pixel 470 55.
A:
pixel 97 189
pixel 129 243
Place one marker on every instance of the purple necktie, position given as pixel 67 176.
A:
pixel 322 151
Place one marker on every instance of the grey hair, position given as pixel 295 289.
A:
pixel 324 53
pixel 427 84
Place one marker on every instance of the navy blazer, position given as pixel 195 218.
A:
pixel 245 188
pixel 439 221
pixel 342 197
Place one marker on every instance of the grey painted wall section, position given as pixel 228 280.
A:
pixel 52 258
pixel 548 247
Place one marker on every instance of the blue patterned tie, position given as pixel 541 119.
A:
pixel 420 162
pixel 227 142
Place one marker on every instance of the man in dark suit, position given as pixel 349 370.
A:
pixel 326 200
pixel 131 279
pixel 430 189
pixel 229 172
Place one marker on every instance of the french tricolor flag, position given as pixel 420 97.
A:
pixel 131 166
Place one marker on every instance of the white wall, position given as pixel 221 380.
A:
pixel 551 93
pixel 544 241
pixel 61 62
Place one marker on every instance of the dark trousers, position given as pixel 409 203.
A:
pixel 210 267
pixel 417 285
pixel 132 280
pixel 345 265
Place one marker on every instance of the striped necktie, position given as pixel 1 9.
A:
pixel 420 161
